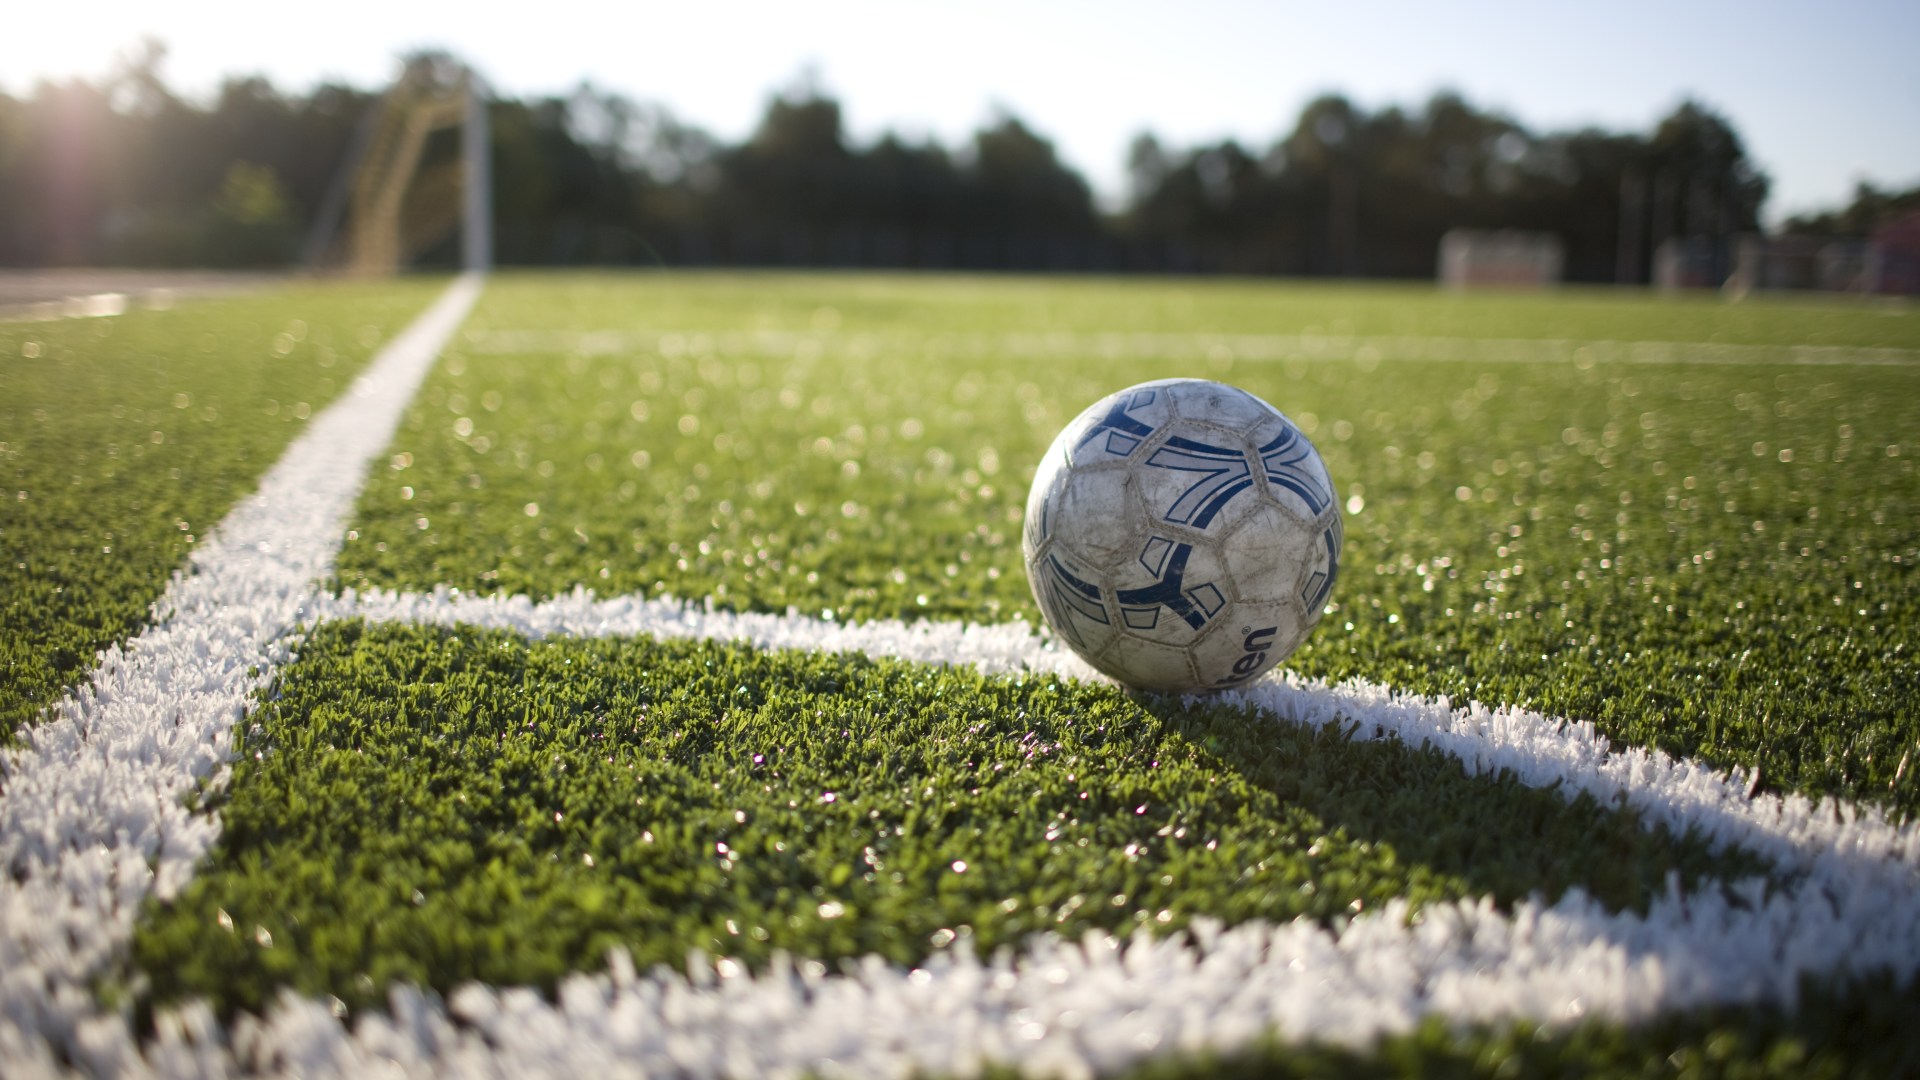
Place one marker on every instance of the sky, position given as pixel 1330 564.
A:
pixel 1824 94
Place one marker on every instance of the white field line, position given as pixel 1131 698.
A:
pixel 91 823
pixel 1798 836
pixel 92 819
pixel 91 306
pixel 1851 905
pixel 1193 347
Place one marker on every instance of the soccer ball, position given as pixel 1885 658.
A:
pixel 1182 535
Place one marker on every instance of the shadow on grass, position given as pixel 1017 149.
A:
pixel 1500 836
pixel 440 806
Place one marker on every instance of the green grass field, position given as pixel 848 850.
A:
pixel 1647 546
pixel 1693 524
pixel 123 440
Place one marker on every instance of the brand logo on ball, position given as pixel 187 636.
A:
pixel 1253 655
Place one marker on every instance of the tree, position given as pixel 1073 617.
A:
pixel 1023 208
pixel 253 222
pixel 1870 209
pixel 123 170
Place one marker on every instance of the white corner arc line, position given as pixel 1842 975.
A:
pixel 1851 904
pixel 1795 834
pixel 92 820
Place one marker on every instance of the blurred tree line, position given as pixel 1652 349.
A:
pixel 1871 209
pixel 123 171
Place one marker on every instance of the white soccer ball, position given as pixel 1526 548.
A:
pixel 1182 535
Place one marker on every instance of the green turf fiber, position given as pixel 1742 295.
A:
pixel 123 440
pixel 1862 1031
pixel 1711 559
pixel 442 806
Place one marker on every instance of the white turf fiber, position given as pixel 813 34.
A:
pixel 92 821
pixel 91 812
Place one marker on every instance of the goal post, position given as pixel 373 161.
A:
pixel 390 201
pixel 476 142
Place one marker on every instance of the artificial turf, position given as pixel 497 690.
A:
pixel 1712 554
pixel 1712 558
pixel 124 439
pixel 1833 1033
pixel 520 808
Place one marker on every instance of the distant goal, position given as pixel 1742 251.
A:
pixel 1511 259
pixel 418 172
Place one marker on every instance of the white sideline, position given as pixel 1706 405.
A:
pixel 92 819
pixel 91 822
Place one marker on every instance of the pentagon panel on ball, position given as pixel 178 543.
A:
pixel 1182 535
